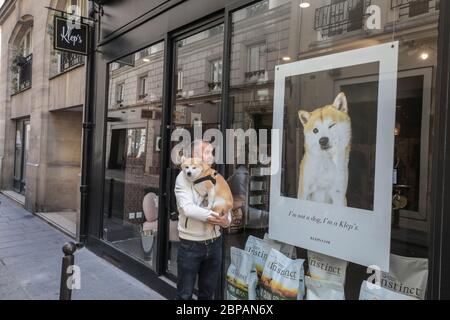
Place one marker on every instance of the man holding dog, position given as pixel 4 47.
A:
pixel 200 250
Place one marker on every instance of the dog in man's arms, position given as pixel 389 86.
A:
pixel 209 184
pixel 323 174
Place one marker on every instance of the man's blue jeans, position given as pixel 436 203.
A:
pixel 202 259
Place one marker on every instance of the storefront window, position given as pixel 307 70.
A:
pixel 130 216
pixel 276 32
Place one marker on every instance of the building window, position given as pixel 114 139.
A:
pixel 22 61
pixel 180 81
pixel 68 60
pixel 218 30
pixel 339 17
pixel 143 53
pixel 24 74
pixel 26 44
pixel 119 92
pixel 115 66
pixel 256 62
pixel 136 143
pixel 142 87
pixel 216 75
pixel 413 8
pixel 62 61
pixel 75 7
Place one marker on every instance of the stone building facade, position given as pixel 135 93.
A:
pixel 41 103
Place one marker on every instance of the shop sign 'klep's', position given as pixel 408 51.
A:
pixel 70 36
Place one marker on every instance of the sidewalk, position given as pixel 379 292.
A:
pixel 30 263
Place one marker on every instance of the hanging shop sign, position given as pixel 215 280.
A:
pixel 334 194
pixel 71 35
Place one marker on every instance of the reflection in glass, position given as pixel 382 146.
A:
pixel 132 160
pixel 198 85
pixel 269 33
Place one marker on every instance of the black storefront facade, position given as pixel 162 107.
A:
pixel 163 65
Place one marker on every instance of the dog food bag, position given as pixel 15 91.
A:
pixel 322 267
pixel 260 250
pixel 323 289
pixel 282 278
pixel 241 276
pixel 372 292
pixel 406 276
pixel 286 249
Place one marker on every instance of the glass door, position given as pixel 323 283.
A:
pixel 21 155
pixel 196 100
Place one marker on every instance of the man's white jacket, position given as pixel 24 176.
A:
pixel 192 222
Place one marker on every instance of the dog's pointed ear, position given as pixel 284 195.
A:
pixel 304 117
pixel 340 102
pixel 182 159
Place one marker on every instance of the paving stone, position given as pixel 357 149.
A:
pixel 13 292
pixel 13 237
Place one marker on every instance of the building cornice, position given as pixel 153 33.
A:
pixel 6 10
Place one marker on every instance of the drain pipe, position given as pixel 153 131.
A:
pixel 88 126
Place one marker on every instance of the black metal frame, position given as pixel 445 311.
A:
pixel 112 48
pixel 439 279
pixel 88 134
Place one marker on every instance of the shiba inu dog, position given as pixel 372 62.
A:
pixel 208 183
pixel 323 175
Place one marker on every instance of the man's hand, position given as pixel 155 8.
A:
pixel 221 220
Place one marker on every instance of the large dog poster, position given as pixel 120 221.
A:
pixel 331 190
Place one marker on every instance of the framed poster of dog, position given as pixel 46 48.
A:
pixel 334 193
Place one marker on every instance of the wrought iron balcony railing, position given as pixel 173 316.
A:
pixel 25 72
pixel 70 60
pixel 340 17
pixel 413 8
